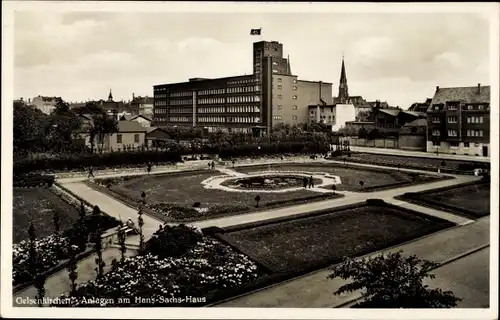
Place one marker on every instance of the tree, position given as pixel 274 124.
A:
pixel 32 254
pixel 362 133
pixel 392 281
pixel 61 126
pixel 73 275
pixel 257 200
pixel 101 127
pixel 140 223
pixel 40 288
pixel 27 127
pixel 121 241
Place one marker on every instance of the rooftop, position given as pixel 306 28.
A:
pixel 476 94
pixel 130 126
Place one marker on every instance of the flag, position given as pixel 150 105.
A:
pixel 255 32
pixel 323 102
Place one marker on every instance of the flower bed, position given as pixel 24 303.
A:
pixel 268 182
pixel 203 267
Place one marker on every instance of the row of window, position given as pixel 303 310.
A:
pixel 240 81
pixel 160 95
pixel 210 91
pixel 455 107
pixel 210 100
pixel 280 107
pixel 243 89
pixel 242 109
pixel 160 103
pixel 454 133
pixel 212 119
pixel 479 119
pixel 181 94
pixel 160 111
pixel 243 119
pixel 243 99
pixel 454 144
pixel 119 138
pixel 180 110
pixel 277 117
pixel 181 102
pixel 211 110
pixel 281 80
pixel 280 87
pixel 180 119
pixel 279 96
pixel 454 119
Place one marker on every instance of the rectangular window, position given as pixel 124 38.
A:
pixel 294 117
pixel 480 107
pixel 295 97
pixel 435 120
pixel 280 107
pixel 480 133
pixel 436 132
pixel 452 119
pixel 294 107
pixel 118 138
pixel 470 107
pixel 280 87
pixel 452 107
pixel 452 133
pixel 136 138
pixel 294 88
pixel 466 144
pixel 454 144
pixel 280 80
pixel 294 80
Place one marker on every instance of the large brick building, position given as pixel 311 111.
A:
pixel 248 103
pixel 458 121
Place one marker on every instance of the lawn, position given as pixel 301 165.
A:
pixel 37 206
pixel 350 176
pixel 309 243
pixel 471 199
pixel 417 162
pixel 185 189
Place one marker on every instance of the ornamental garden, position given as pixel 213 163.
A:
pixel 54 229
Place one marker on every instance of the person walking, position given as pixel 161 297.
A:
pixel 310 182
pixel 305 182
pixel 149 167
pixel 213 165
pixel 91 173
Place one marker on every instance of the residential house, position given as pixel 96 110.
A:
pixel 459 121
pixel 421 106
pixel 334 116
pixel 130 134
pixel 45 104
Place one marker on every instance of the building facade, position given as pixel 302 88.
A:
pixel 249 103
pixel 45 104
pixel 458 121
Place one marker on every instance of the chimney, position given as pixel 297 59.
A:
pixel 437 88
pixel 478 88
pixel 320 91
pixel 133 96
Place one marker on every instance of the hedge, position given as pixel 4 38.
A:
pixel 227 152
pixel 97 161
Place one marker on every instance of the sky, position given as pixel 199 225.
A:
pixel 395 57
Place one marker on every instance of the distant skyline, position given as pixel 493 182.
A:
pixel 395 57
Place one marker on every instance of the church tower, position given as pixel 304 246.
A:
pixel 110 97
pixel 343 90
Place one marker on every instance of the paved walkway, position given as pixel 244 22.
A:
pixel 58 283
pixel 316 291
pixel 405 153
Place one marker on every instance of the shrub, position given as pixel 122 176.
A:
pixel 173 241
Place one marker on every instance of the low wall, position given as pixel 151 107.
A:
pixel 391 143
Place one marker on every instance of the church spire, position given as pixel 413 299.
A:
pixel 110 97
pixel 343 90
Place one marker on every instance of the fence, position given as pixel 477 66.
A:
pixel 391 143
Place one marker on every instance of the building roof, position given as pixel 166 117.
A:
pixel 416 123
pixel 130 126
pixel 139 116
pixel 474 94
pixel 392 112
pixel 414 113
pixel 151 129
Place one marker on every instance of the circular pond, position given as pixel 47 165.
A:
pixel 267 182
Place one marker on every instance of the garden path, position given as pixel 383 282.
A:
pixel 405 153
pixel 59 283
pixel 316 291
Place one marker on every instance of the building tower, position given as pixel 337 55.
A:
pixel 343 90
pixel 110 97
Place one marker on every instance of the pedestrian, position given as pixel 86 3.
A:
pixel 305 182
pixel 209 166
pixel 310 182
pixel 91 173
pixel 213 165
pixel 149 167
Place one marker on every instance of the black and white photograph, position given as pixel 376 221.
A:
pixel 250 160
